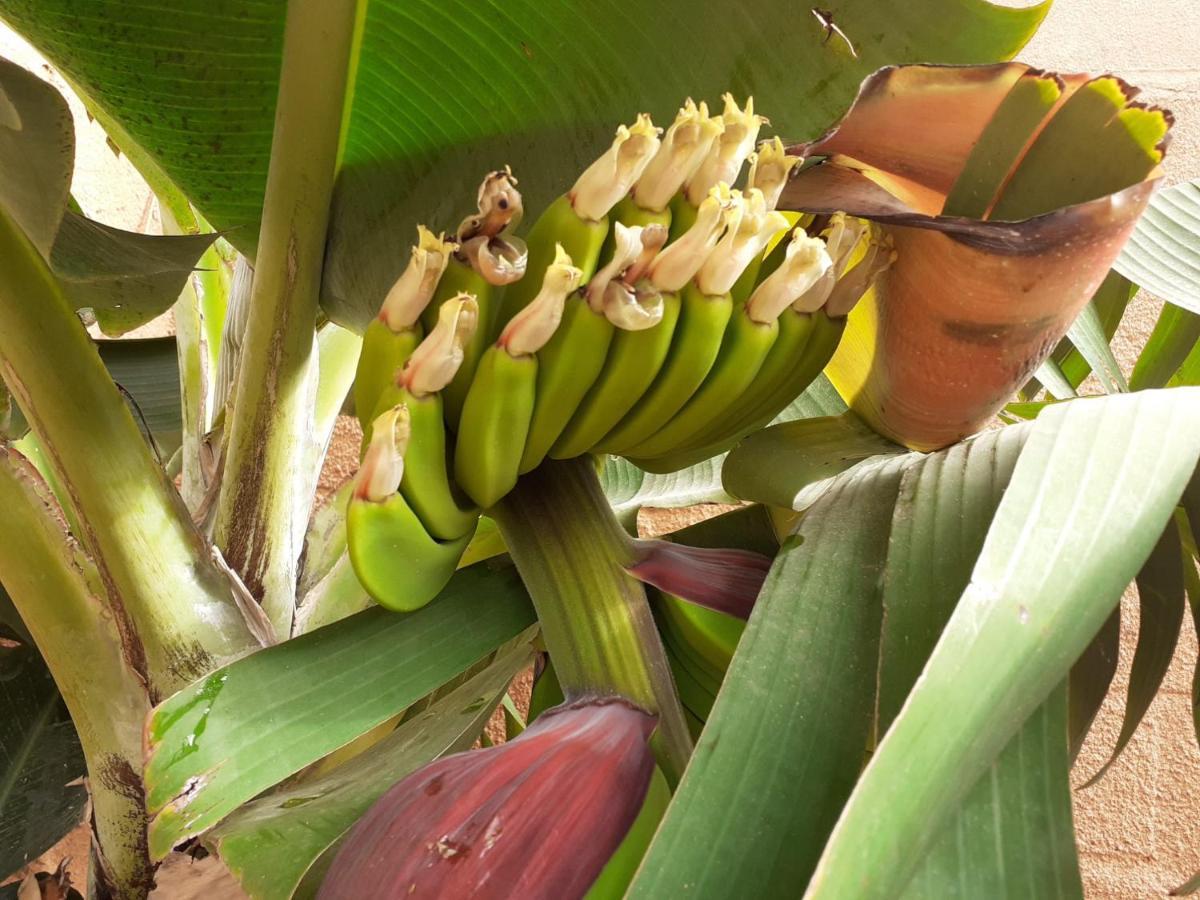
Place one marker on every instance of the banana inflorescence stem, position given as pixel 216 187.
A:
pixel 571 553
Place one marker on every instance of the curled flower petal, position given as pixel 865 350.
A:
pixel 610 177
pixel 770 168
pixel 530 329
pixel 437 358
pixel 750 226
pixel 627 247
pixel 728 152
pixel 382 466
pixel 536 817
pixel 500 260
pixel 654 237
pixel 675 266
pixel 806 261
pixel 413 290
pixel 631 309
pixel 500 207
pixel 684 147
pixel 851 287
pixel 726 580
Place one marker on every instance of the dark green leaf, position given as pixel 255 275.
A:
pixel 246 727
pixel 1094 486
pixel 271 842
pixel 446 91
pixel 147 371
pixel 1163 255
pixel 1090 679
pixel 1173 339
pixel 1012 836
pixel 1161 602
pixel 40 756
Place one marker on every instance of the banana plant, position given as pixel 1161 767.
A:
pixel 516 243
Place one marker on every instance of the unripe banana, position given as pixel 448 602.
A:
pixel 393 335
pixel 488 258
pixel 579 219
pixel 569 364
pixel 748 345
pixel 395 559
pixel 499 405
pixel 706 310
pixel 426 484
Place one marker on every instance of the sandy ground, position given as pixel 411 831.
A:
pixel 1137 829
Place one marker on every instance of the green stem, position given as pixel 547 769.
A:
pixel 174 610
pixel 55 588
pixel 260 518
pixel 571 553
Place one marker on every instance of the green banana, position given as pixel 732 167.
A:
pixel 749 340
pixel 808 338
pixel 426 485
pixel 488 258
pixel 500 403
pixel 579 219
pixel 570 363
pixel 392 336
pixel 706 311
pixel 395 559
pixel 636 356
pixel 695 697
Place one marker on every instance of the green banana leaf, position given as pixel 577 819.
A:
pixel 785 742
pixel 1090 679
pixel 270 843
pixel 971 698
pixel 1109 304
pixel 1097 481
pixel 1163 254
pixel 41 761
pixel 126 279
pixel 1012 835
pixel 1088 337
pixel 246 727
pixel 441 93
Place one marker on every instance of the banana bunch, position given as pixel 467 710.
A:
pixel 652 311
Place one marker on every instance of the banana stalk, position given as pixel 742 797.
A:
pixel 596 622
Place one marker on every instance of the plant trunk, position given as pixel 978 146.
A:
pixel 267 490
pixel 55 588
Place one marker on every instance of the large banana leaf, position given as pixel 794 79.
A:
pixel 1095 481
pixel 246 727
pixel 445 90
pixel 1163 254
pixel 271 842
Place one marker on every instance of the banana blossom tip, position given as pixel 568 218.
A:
pixel 537 816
